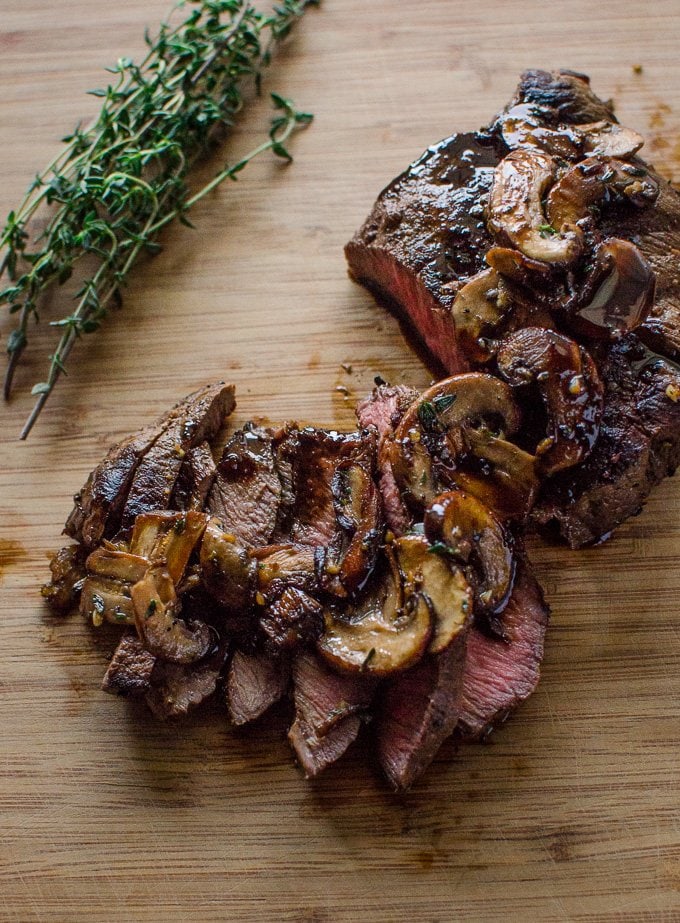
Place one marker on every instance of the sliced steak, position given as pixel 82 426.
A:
pixel 419 710
pixel 291 618
pixel 99 505
pixel 317 753
pixel 383 409
pixel 247 490
pixel 318 454
pixel 195 479
pixel 324 697
pixel 130 670
pixel 157 472
pixel 638 446
pixel 499 674
pixel 177 689
pixel 255 682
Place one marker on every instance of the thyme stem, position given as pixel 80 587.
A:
pixel 119 182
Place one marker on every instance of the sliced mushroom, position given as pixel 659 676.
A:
pixel 346 563
pixel 478 311
pixel 111 573
pixel 609 139
pixel 460 526
pixel 622 292
pixel 569 384
pixel 105 600
pixel 162 631
pixel 523 126
pixel 515 211
pixel 384 633
pixel 228 572
pixel 517 266
pixel 169 538
pixel 586 185
pixel 455 434
pixel 426 572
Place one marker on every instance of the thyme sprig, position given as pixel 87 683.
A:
pixel 117 183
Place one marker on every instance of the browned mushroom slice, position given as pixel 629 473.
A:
pixel 522 126
pixel 504 477
pixel 169 538
pixel 609 139
pixel 478 312
pixel 164 633
pixel 586 185
pixel 460 526
pixel 515 211
pixel 346 563
pixel 623 292
pixel 384 633
pixel 228 572
pixel 569 385
pixel 111 572
pixel 516 266
pixel 426 572
pixel 456 435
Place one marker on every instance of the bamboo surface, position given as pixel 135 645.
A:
pixel 571 811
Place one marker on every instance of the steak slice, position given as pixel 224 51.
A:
pixel 68 573
pixel 419 710
pixel 247 490
pixel 317 753
pixel 130 670
pixel 176 689
pixel 500 674
pixel 255 682
pixel 195 479
pixel 383 409
pixel 317 455
pixel 99 505
pixel 324 697
pixel 638 446
pixel 156 474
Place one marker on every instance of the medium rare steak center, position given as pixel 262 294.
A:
pixel 377 580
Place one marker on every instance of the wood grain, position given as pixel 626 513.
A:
pixel 571 812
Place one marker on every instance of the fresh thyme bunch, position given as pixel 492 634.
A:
pixel 118 182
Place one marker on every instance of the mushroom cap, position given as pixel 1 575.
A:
pixel 515 211
pixel 159 626
pixel 569 385
pixel 469 531
pixel 455 434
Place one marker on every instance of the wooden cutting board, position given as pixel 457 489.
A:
pixel 571 811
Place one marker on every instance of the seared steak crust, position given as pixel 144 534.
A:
pixel 638 446
pixel 425 235
pixel 121 477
